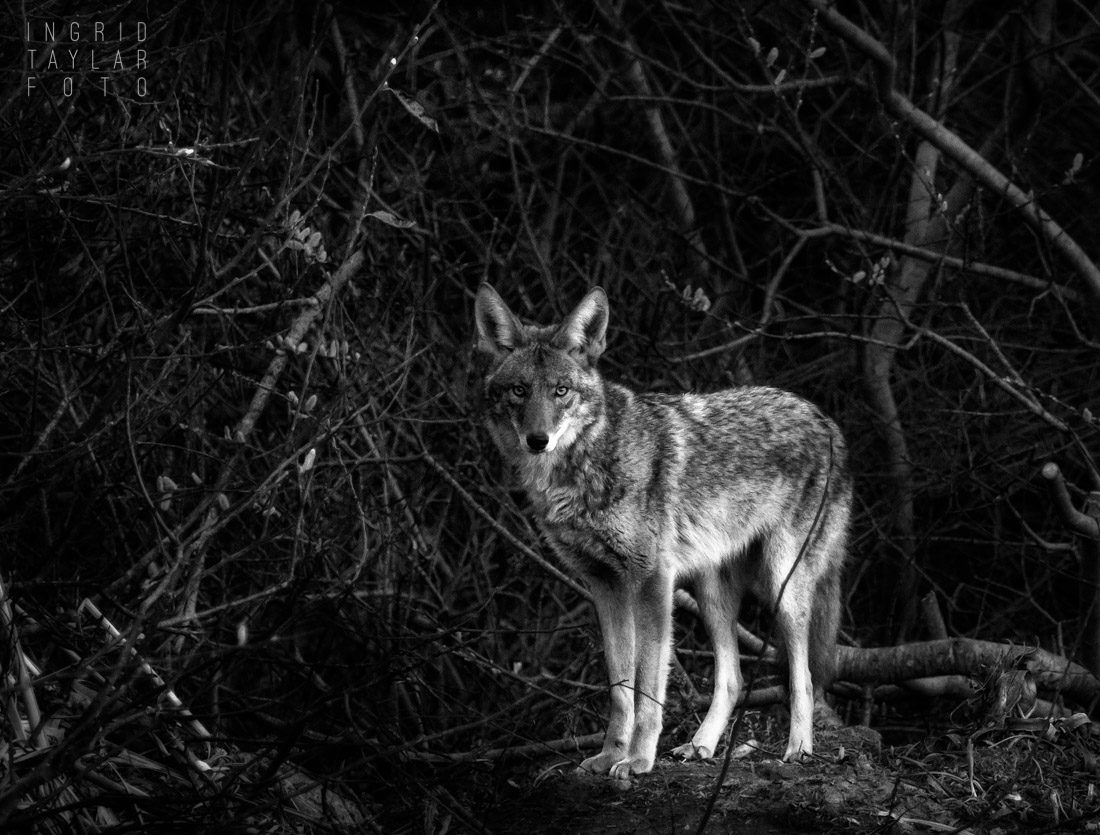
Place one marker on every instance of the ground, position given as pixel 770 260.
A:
pixel 994 781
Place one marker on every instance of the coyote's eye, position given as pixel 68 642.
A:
pixel 519 390
pixel 561 391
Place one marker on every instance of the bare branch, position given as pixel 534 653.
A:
pixel 958 150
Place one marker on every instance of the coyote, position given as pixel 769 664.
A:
pixel 745 488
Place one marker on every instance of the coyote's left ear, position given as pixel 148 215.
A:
pixel 584 331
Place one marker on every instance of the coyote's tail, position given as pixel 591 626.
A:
pixel 824 626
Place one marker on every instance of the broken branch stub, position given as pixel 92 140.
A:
pixel 1087 525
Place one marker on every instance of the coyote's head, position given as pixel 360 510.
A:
pixel 538 385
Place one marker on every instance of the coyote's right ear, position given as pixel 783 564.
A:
pixel 498 329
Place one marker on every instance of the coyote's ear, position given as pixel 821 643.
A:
pixel 584 331
pixel 498 329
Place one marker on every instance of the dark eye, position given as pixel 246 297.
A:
pixel 561 391
pixel 519 390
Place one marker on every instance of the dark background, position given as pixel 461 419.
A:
pixel 326 564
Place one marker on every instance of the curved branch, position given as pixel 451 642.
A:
pixel 964 656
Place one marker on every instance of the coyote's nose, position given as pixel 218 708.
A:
pixel 537 442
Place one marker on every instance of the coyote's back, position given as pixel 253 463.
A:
pixel 645 492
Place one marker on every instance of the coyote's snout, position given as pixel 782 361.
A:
pixel 642 493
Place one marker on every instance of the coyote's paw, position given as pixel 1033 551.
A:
pixel 602 762
pixel 616 766
pixel 798 752
pixel 623 769
pixel 691 751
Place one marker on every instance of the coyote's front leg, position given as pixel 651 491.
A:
pixel 719 599
pixel 616 616
pixel 636 625
pixel 653 644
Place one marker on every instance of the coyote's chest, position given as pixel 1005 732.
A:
pixel 587 515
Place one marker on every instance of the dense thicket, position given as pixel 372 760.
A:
pixel 235 311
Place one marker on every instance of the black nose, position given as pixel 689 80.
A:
pixel 537 443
